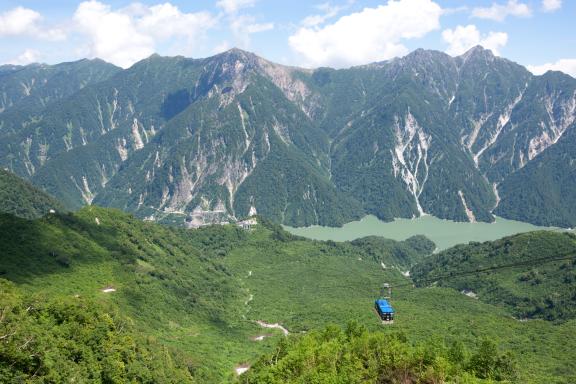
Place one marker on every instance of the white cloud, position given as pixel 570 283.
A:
pixel 499 12
pixel 165 21
pixel 374 34
pixel 18 21
pixel 242 26
pixel 27 57
pixel 462 38
pixel 551 5
pixel 22 21
pixel 221 47
pixel 233 6
pixel 113 36
pixel 130 34
pixel 262 27
pixel 564 65
pixel 328 11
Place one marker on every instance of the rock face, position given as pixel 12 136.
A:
pixel 180 139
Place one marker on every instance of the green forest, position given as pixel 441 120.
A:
pixel 22 199
pixel 104 297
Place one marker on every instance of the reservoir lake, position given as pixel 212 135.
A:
pixel 445 233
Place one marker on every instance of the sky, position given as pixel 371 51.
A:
pixel 540 34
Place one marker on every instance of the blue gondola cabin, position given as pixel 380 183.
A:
pixel 385 310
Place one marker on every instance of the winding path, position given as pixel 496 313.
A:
pixel 275 325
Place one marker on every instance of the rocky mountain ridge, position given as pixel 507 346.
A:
pixel 234 134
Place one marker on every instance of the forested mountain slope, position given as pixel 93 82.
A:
pixel 357 356
pixel 234 134
pixel 207 296
pixel 23 199
pixel 539 282
pixel 27 90
pixel 71 339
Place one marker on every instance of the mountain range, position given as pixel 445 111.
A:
pixel 173 139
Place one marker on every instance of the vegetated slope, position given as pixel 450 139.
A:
pixel 303 285
pixel 67 339
pixel 23 199
pixel 228 135
pixel 173 283
pixel 200 292
pixel 544 185
pixel 170 136
pixel 354 355
pixel 28 90
pixel 531 289
pixel 237 159
pixel 154 275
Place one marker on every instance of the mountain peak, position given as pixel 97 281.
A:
pixel 236 50
pixel 237 54
pixel 426 54
pixel 477 51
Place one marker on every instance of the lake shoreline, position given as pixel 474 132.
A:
pixel 445 233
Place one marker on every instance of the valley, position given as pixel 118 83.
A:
pixel 219 297
pixel 124 257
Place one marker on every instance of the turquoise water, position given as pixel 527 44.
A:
pixel 444 233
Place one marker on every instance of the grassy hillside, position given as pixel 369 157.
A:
pixel 529 289
pixel 173 283
pixel 304 285
pixel 355 355
pixel 171 290
pixel 66 339
pixel 22 199
pixel 201 292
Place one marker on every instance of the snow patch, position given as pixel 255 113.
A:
pixel 410 156
pixel 43 153
pixel 87 194
pixel 27 88
pixel 246 137
pixel 469 294
pixel 503 119
pixel 114 108
pixel 121 148
pixel 469 213
pixel 138 143
pixel 556 126
pixel 282 132
pixel 100 117
pixel 242 369
pixel 496 195
pixel 26 145
pixel 476 127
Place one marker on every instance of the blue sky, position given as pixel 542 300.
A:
pixel 540 34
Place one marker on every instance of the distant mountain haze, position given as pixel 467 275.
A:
pixel 172 138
